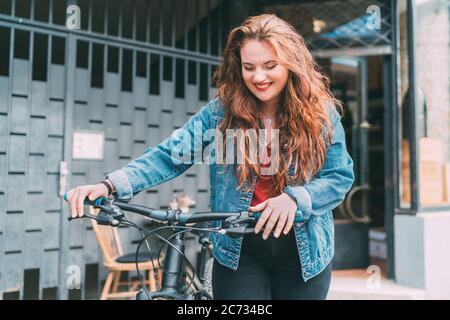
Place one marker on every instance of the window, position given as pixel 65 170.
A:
pixel 59 12
pixel 5 7
pixel 155 13
pixel 23 9
pixel 40 52
pixel 58 50
pixel 113 17
pixel 167 70
pixel 192 72
pixel 127 70
pixel 98 16
pixel 403 104
pixel 41 10
pixel 141 64
pixel 141 20
pixel 84 9
pixel 97 65
pixel 180 28
pixel 432 74
pixel 127 19
pixel 5 40
pixel 203 89
pixel 154 74
pixel 167 22
pixel 203 26
pixel 82 54
pixel 215 32
pixel 180 78
pixel 113 59
pixel 21 44
pixel 191 25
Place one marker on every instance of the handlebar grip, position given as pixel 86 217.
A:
pixel 88 202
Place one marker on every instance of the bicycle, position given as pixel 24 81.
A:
pixel 178 282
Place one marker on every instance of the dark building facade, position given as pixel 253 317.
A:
pixel 76 104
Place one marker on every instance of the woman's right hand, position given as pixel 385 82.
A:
pixel 77 195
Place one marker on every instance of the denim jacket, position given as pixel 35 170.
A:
pixel 315 199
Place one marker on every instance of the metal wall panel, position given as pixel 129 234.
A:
pixel 96 104
pixel 50 269
pixel 13 238
pixel 21 76
pixel 56 76
pixel 17 153
pixel 4 94
pixel 112 88
pixel 38 101
pixel 50 230
pixel 32 253
pixel 55 114
pixel 125 107
pixel 34 211
pixel 36 173
pixel 19 119
pixel 54 151
pixel 2 180
pixel 15 192
pixel 38 135
pixel 37 118
pixel 52 202
pixel 3 132
pixel 12 273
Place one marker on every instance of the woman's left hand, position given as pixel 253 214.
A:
pixel 279 211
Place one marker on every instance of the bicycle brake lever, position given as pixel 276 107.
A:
pixel 235 222
pixel 239 231
pixel 101 218
pixel 85 216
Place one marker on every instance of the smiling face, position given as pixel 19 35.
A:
pixel 263 75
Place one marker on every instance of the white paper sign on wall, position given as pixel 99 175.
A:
pixel 88 145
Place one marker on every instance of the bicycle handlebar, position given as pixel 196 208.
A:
pixel 161 215
pixel 235 222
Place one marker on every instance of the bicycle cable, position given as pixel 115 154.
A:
pixel 186 229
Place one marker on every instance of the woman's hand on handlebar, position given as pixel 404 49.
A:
pixel 77 195
pixel 278 214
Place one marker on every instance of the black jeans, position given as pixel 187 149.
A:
pixel 268 270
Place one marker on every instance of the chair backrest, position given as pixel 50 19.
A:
pixel 108 239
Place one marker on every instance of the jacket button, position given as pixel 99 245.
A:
pixel 306 274
pixel 299 224
pixel 302 243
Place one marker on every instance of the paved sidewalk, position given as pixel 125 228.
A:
pixel 357 285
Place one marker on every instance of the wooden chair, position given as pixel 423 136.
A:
pixel 116 262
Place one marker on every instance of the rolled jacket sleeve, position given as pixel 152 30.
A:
pixel 326 190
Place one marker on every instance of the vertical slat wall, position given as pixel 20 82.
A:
pixel 31 149
pixel 142 69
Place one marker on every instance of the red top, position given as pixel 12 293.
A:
pixel 263 187
pixel 264 184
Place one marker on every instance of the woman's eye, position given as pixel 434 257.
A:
pixel 271 66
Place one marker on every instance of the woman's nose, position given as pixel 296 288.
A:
pixel 259 77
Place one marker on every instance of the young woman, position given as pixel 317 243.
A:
pixel 268 82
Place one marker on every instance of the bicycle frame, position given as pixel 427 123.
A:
pixel 172 273
pixel 234 224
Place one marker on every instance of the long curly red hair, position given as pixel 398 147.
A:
pixel 304 110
